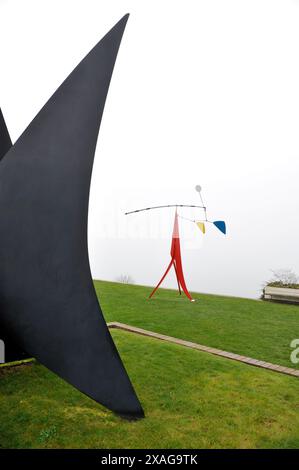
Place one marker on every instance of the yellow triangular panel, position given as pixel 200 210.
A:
pixel 201 226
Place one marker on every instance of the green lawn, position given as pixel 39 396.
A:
pixel 191 399
pixel 254 328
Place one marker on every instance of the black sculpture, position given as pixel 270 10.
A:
pixel 48 303
pixel 5 140
pixel 11 351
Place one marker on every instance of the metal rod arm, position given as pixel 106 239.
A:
pixel 162 207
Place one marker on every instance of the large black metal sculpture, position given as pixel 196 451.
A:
pixel 48 304
pixel 5 140
pixel 12 351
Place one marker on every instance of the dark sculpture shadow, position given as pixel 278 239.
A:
pixel 48 303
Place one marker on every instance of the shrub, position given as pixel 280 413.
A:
pixel 283 278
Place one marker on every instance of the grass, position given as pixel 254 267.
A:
pixel 191 399
pixel 262 330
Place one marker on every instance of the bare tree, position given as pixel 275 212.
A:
pixel 125 279
pixel 283 278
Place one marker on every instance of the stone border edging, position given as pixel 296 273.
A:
pixel 21 362
pixel 188 344
pixel 218 352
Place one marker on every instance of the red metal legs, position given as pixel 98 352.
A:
pixel 176 261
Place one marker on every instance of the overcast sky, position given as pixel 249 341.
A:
pixel 203 92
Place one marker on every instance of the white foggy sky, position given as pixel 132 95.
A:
pixel 203 92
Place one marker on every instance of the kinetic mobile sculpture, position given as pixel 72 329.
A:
pixel 48 304
pixel 175 251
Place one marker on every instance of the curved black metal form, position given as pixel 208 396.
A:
pixel 48 302
pixel 12 351
pixel 5 140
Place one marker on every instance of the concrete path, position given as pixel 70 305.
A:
pixel 200 347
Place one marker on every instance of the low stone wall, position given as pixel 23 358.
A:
pixel 281 294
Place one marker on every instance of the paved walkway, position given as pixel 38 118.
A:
pixel 200 347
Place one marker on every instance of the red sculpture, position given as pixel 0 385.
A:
pixel 175 252
pixel 176 261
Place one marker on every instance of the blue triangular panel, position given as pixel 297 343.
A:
pixel 220 224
